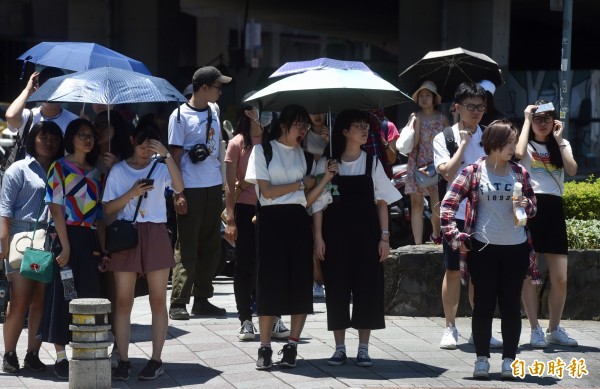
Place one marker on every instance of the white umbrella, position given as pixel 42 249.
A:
pixel 329 90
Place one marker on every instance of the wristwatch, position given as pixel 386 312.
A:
pixel 167 155
pixel 301 184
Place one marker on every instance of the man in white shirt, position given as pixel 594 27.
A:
pixel 470 105
pixel 194 138
pixel 17 115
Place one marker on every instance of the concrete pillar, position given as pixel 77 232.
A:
pixel 90 365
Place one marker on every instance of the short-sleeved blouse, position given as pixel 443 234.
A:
pixel 77 190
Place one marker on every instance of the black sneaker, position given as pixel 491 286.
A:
pixel 61 369
pixel 264 361
pixel 178 313
pixel 203 307
pixel 10 363
pixel 122 371
pixel 289 355
pixel 32 361
pixel 153 370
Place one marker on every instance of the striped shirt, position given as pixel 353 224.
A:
pixel 23 191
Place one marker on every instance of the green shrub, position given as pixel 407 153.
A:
pixel 582 199
pixel 583 234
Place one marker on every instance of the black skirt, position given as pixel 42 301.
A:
pixel 548 227
pixel 54 327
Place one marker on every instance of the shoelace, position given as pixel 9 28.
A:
pixel 280 327
pixel 248 327
pixel 362 355
pixel 339 354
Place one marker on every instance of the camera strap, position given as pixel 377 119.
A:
pixel 208 124
pixel 139 202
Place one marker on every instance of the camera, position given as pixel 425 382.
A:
pixel 198 153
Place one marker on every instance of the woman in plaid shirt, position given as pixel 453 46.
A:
pixel 498 250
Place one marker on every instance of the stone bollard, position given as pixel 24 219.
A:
pixel 90 365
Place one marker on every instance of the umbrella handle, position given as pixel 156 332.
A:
pixel 23 67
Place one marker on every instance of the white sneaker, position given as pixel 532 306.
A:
pixel 494 343
pixel 507 370
pixel 482 368
pixel 247 331
pixel 560 336
pixel 537 338
pixel 280 331
pixel 318 291
pixel 449 338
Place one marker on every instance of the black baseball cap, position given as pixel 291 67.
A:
pixel 206 75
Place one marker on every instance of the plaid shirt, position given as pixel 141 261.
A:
pixel 467 185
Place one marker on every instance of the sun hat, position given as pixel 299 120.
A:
pixel 430 86
pixel 488 86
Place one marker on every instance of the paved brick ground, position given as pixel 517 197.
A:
pixel 206 352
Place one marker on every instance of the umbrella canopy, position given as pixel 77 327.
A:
pixel 329 90
pixel 107 85
pixel 316 64
pixel 450 68
pixel 79 56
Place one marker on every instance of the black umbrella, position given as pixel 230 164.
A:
pixel 448 69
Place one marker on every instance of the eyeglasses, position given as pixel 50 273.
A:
pixel 361 125
pixel 302 126
pixel 542 119
pixel 83 136
pixel 219 87
pixel 473 107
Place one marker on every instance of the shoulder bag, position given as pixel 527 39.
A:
pixel 37 263
pixel 122 234
pixel 406 142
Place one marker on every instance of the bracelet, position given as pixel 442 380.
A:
pixel 385 232
pixel 561 146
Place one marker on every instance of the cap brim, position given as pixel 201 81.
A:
pixel 224 79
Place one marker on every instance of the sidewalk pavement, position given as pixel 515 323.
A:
pixel 205 352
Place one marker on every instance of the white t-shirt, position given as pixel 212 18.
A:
pixel 495 222
pixel 153 207
pixel 383 187
pixel 546 178
pixel 315 143
pixel 191 130
pixel 287 165
pixel 473 152
pixel 62 119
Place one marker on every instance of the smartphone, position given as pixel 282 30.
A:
pixel 148 181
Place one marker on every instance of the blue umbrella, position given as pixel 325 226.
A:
pixel 108 86
pixel 317 64
pixel 77 56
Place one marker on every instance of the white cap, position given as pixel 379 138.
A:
pixel 488 86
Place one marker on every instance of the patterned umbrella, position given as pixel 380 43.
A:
pixel 107 86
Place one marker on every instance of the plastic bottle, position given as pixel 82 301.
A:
pixel 519 212
pixel 66 275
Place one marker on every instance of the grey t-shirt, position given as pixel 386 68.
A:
pixel 495 223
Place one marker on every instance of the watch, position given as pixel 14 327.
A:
pixel 301 184
pixel 167 155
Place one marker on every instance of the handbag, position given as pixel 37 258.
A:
pixel 18 243
pixel 37 264
pixel 239 188
pixel 122 234
pixel 406 142
pixel 426 176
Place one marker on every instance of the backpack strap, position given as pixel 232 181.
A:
pixel 369 165
pixel 384 127
pixel 268 152
pixel 309 157
pixel 451 144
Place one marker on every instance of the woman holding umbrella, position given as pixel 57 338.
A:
pixel 285 267
pixel 72 233
pixel 352 237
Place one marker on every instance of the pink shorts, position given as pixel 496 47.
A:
pixel 152 253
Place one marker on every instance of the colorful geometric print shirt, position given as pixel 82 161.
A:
pixel 78 191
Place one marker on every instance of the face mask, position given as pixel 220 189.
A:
pixel 266 118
